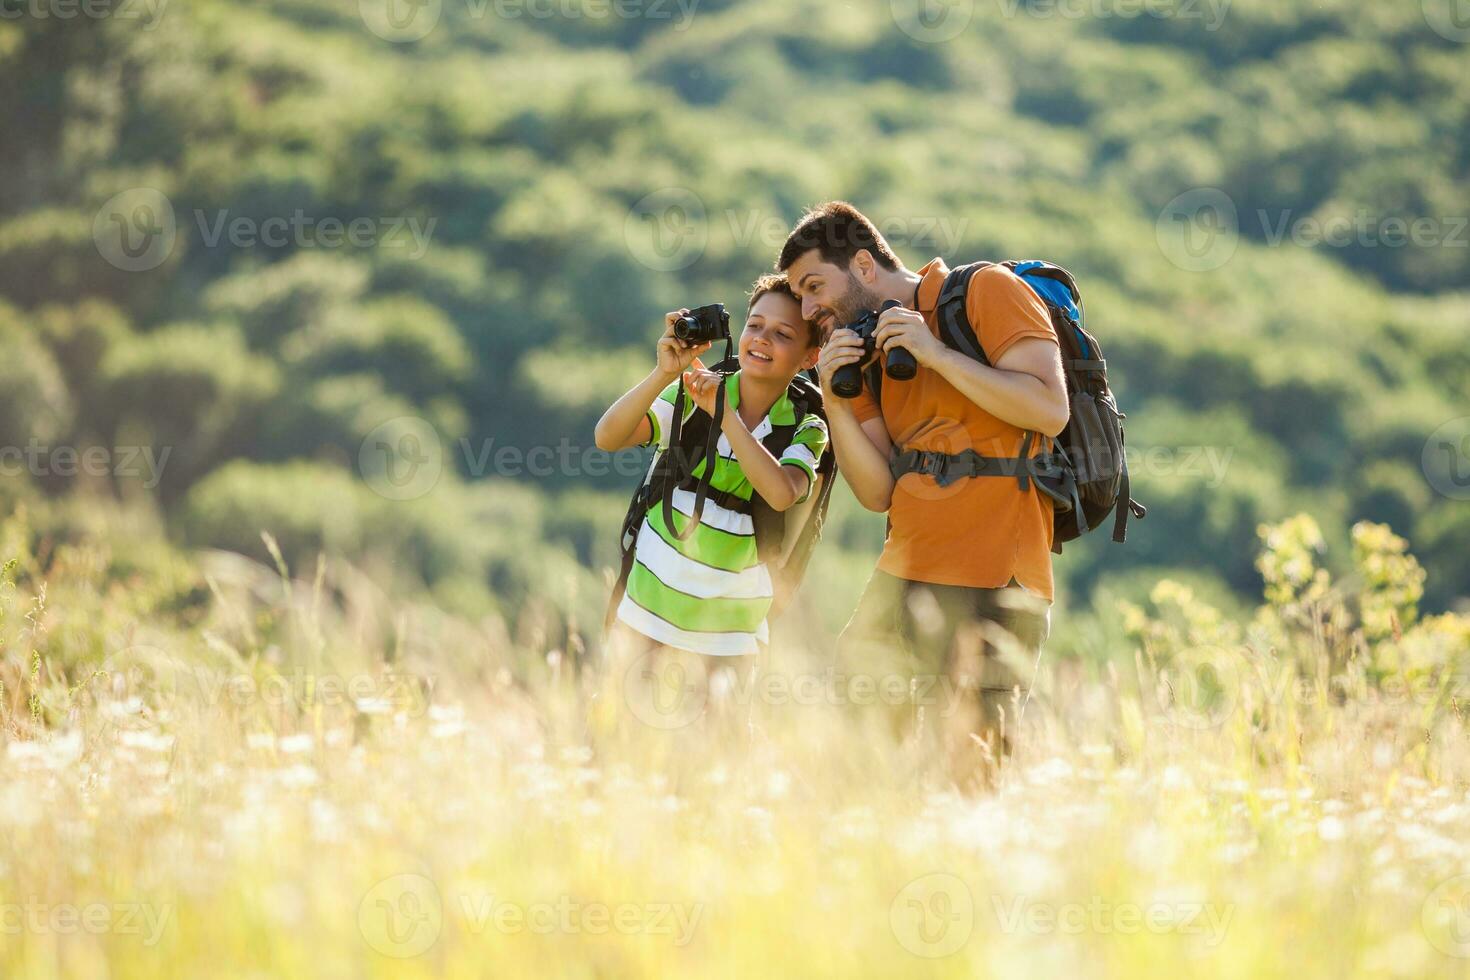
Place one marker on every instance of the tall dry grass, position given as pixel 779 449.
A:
pixel 309 777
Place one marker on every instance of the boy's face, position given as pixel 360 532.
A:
pixel 775 342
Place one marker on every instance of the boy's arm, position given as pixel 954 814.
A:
pixel 782 483
pixel 779 485
pixel 625 424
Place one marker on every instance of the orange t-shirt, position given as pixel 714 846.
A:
pixel 983 531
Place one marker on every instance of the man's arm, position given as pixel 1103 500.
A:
pixel 862 448
pixel 1025 388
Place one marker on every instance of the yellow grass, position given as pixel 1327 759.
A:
pixel 318 780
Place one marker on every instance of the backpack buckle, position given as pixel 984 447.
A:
pixel 932 464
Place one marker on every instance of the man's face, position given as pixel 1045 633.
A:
pixel 830 295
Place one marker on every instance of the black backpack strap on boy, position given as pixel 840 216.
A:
pixel 1086 472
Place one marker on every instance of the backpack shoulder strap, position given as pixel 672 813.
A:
pixel 955 328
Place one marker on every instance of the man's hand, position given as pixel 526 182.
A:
pixel 702 386
pixel 906 328
pixel 843 348
pixel 675 356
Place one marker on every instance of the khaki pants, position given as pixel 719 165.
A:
pixel 971 656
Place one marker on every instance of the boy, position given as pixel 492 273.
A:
pixel 710 594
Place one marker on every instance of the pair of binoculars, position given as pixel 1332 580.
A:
pixel 847 381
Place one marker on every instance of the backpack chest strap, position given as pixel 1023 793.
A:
pixel 948 468
pixel 724 498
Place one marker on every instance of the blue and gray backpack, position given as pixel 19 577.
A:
pixel 1086 471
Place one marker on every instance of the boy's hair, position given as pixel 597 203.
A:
pixel 838 231
pixel 779 283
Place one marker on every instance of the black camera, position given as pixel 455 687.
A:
pixel 847 381
pixel 704 325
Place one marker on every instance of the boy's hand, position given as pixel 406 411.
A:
pixel 675 356
pixel 702 386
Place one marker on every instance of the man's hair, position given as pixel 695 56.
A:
pixel 780 284
pixel 838 231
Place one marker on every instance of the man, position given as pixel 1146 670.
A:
pixel 963 589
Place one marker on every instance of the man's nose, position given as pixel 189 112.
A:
pixel 808 308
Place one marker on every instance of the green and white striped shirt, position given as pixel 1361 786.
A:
pixel 711 594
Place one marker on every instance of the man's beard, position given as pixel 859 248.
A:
pixel 858 299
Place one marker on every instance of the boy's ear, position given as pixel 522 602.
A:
pixel 810 361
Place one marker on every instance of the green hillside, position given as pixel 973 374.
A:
pixel 268 239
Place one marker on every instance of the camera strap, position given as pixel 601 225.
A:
pixel 684 467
